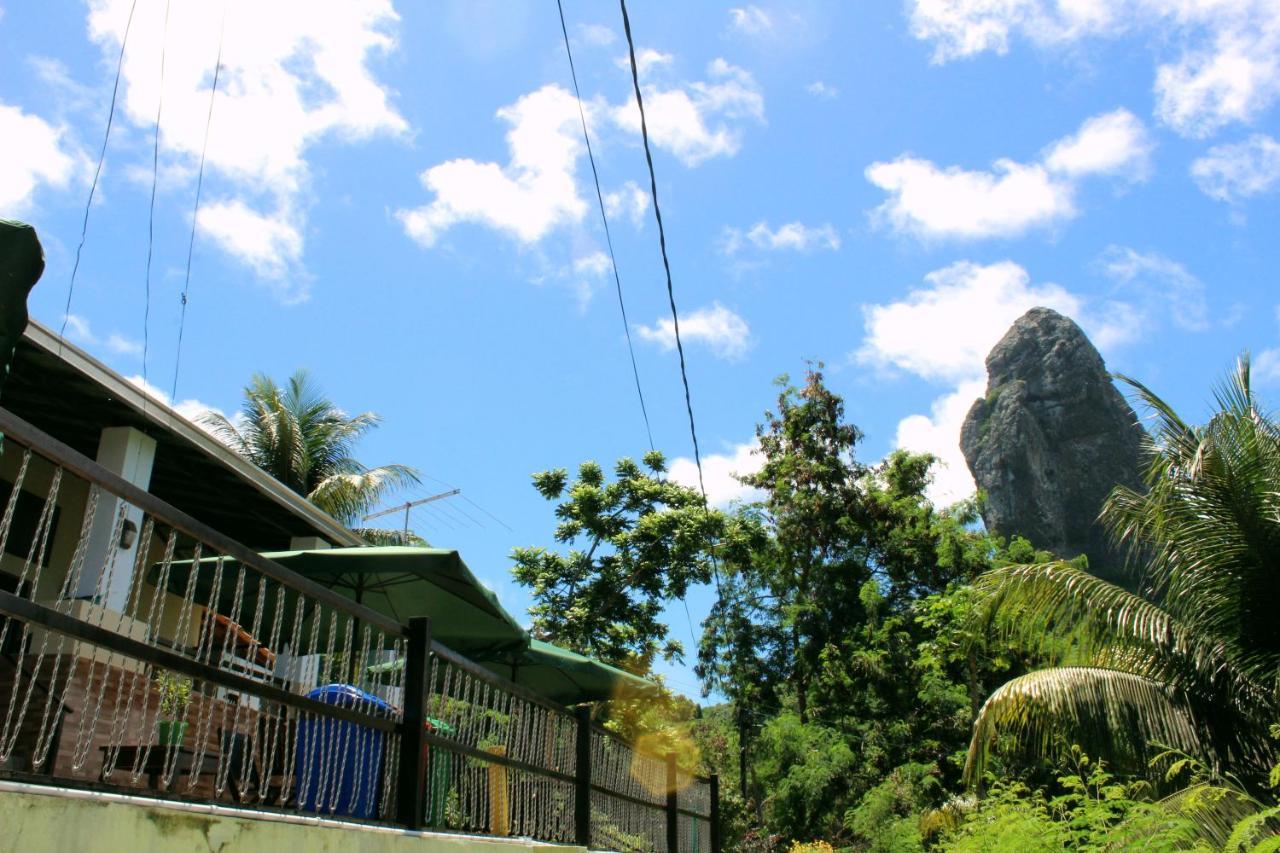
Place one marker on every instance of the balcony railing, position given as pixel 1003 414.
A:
pixel 140 649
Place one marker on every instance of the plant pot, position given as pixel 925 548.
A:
pixel 171 732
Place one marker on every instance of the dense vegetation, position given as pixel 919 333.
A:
pixel 898 679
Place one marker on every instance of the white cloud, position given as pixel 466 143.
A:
pixel 81 331
pixel 929 201
pixel 78 330
pixel 795 236
pixel 699 120
pixel 716 327
pixel 35 153
pixel 190 408
pixel 1158 281
pixel 750 20
pixel 536 192
pixel 1107 144
pixel 269 243
pixel 1265 367
pixel 822 90
pixel 1235 172
pixel 1227 62
pixel 594 264
pixel 121 345
pixel 530 196
pixel 647 59
pixel 629 201
pixel 938 433
pixel 293 72
pixel 718 471
pixel 596 34
pixel 944 330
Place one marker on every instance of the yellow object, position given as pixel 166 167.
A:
pixel 499 805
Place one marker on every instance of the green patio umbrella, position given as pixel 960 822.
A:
pixel 558 674
pixel 399 582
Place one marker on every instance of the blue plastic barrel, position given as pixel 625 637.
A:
pixel 339 763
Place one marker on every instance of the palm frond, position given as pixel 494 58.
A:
pixel 1066 615
pixel 1258 832
pixel 386 536
pixel 1107 712
pixel 1215 810
pixel 1208 527
pixel 347 496
pixel 224 430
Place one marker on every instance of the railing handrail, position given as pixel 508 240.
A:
pixel 77 463
pixel 477 671
pixel 418 653
pixel 29 611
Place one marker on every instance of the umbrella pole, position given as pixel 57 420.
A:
pixel 358 665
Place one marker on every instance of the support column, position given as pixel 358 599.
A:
pixel 131 454
pixel 411 795
pixel 673 805
pixel 582 781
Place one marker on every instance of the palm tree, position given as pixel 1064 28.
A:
pixel 297 435
pixel 1189 663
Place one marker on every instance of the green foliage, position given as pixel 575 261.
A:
pixel 887 820
pixel 1188 661
pixel 1088 809
pixel 174 692
pixel 299 436
pixel 839 635
pixel 807 766
pixel 639 542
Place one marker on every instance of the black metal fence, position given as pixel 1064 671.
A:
pixel 140 649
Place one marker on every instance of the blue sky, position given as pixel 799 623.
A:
pixel 397 198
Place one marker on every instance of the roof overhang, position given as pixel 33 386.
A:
pixel 69 394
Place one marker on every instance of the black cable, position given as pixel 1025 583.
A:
pixel 666 265
pixel 617 280
pixel 195 214
pixel 155 179
pixel 93 187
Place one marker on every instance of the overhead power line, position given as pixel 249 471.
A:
pixel 155 179
pixel 97 172
pixel 617 279
pixel 666 266
pixel 195 214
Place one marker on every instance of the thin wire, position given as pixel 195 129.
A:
pixel 617 280
pixel 666 265
pixel 155 179
pixel 93 187
pixel 195 214
pixel 486 512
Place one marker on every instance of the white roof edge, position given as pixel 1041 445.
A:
pixel 167 418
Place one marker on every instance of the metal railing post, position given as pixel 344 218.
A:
pixel 673 806
pixel 411 798
pixel 715 813
pixel 582 778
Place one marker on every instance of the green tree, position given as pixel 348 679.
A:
pixel 299 436
pixel 798 589
pixel 1190 661
pixel 637 543
pixel 838 635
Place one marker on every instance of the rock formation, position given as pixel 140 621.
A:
pixel 1050 439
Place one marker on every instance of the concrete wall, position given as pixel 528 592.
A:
pixel 49 820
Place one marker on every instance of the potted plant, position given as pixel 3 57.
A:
pixel 175 696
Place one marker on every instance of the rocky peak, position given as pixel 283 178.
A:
pixel 1051 439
